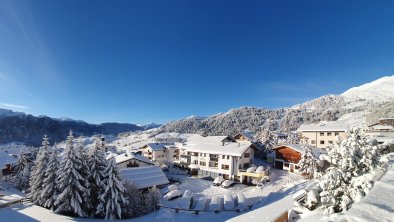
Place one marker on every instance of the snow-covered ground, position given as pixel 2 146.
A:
pixel 282 184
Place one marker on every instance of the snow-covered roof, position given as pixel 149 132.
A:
pixel 129 156
pixel 323 126
pixel 144 177
pixel 247 134
pixel 279 134
pixel 382 127
pixel 5 159
pixel 207 139
pixel 214 145
pixel 158 146
pixel 300 148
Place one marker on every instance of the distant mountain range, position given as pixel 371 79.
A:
pixel 29 129
pixel 357 106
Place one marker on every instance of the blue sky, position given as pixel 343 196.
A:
pixel 143 61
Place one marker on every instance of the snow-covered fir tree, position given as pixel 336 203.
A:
pixel 21 171
pixel 134 201
pixel 38 173
pixel 97 164
pixel 111 195
pixel 350 159
pixel 49 192
pixel 308 163
pixel 84 172
pixel 151 199
pixel 70 183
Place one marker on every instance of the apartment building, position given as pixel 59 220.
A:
pixel 216 155
pixel 322 134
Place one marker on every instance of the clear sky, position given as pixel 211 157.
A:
pixel 142 61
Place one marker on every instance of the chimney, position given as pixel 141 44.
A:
pixel 223 143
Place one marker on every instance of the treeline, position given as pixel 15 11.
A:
pixel 80 182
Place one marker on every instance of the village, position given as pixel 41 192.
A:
pixel 210 174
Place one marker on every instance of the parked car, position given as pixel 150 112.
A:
pixel 172 187
pixel 241 201
pixel 201 204
pixel 215 204
pixel 251 169
pixel 218 181
pixel 186 200
pixel 260 169
pixel 227 183
pixel 229 203
pixel 173 195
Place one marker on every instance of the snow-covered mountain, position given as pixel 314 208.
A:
pixel 381 90
pixel 357 106
pixel 29 129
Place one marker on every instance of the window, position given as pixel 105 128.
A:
pixel 228 157
pixel 330 142
pixel 202 163
pixel 195 162
pixel 225 167
pixel 246 155
pixel 205 155
pixel 321 133
pixel 336 133
pixel 246 165
pixel 200 154
pixel 328 134
pixel 286 164
pixel 321 141
pixel 313 141
pixel 223 157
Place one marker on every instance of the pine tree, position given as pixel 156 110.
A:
pixel 111 195
pixel 97 164
pixel 151 199
pixel 21 172
pixel 70 183
pixel 49 193
pixel 38 173
pixel 308 163
pixel 134 201
pixel 84 172
pixel 350 159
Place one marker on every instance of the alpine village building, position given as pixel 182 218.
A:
pixel 207 156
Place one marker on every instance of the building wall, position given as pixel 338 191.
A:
pixel 227 165
pixel 154 155
pixel 321 139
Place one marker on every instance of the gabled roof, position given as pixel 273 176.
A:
pixel 300 148
pixel 144 177
pixel 157 146
pixel 247 134
pixel 207 139
pixel 214 145
pixel 323 126
pixel 121 158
